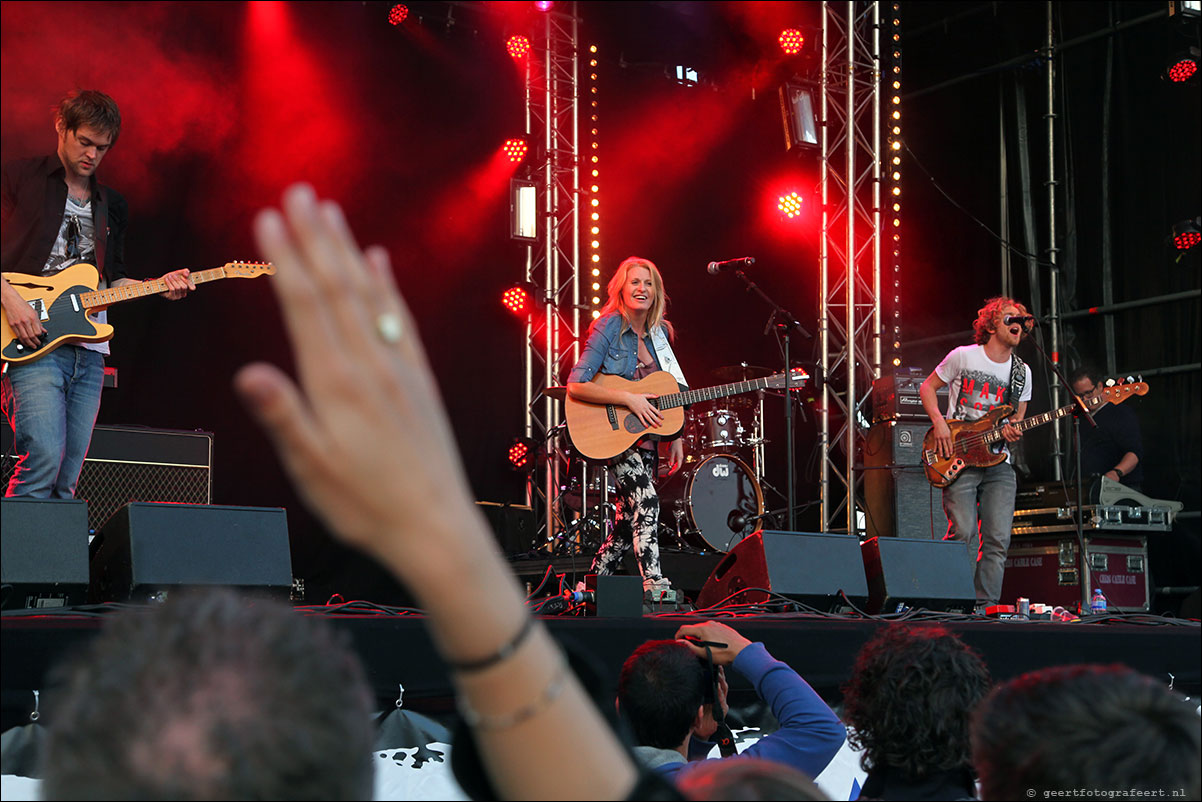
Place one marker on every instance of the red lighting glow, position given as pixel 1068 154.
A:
pixel 1183 70
pixel 790 205
pixel 1187 239
pixel 544 5
pixel 519 454
pixel 398 13
pixel 791 41
pixel 518 46
pixel 515 149
pixel 516 300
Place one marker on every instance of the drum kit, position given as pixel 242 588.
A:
pixel 714 501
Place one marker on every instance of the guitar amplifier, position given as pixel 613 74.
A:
pixel 898 498
pixel 895 396
pixel 133 463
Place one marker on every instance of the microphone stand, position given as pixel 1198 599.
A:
pixel 1080 409
pixel 785 323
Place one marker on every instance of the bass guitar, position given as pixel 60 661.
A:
pixel 602 431
pixel 974 443
pixel 66 301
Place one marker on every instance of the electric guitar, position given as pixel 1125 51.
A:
pixel 973 441
pixel 602 431
pixel 65 301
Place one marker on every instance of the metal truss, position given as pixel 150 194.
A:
pixel 552 263
pixel 850 250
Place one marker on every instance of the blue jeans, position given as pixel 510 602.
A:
pixel 984 495
pixel 52 404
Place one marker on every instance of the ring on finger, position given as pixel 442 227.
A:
pixel 388 326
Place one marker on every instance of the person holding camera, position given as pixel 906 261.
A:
pixel 672 693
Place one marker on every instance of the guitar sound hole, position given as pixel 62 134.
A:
pixel 633 424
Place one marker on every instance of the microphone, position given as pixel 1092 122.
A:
pixel 730 264
pixel 1019 319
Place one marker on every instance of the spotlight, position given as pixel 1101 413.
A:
pixel 791 41
pixel 521 453
pixel 518 46
pixel 797 116
pixel 1187 233
pixel 544 5
pixel 1183 66
pixel 520 298
pixel 790 205
pixel 523 209
pixel 398 13
pixel 515 149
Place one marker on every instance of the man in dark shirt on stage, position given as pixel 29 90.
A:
pixel 1114 448
pixel 56 214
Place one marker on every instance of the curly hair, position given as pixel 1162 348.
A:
pixel 91 108
pixel 988 315
pixel 211 696
pixel 910 699
pixel 1086 726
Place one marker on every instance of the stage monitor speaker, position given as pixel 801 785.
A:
pixel 146 550
pixel 935 574
pixel 900 501
pixel 512 524
pixel 134 463
pixel 43 552
pixel 617 596
pixel 812 568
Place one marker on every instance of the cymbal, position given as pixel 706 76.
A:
pixel 559 393
pixel 740 373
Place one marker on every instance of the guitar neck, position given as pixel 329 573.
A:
pixel 128 292
pixel 1023 425
pixel 710 393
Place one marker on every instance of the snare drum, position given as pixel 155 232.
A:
pixel 717 502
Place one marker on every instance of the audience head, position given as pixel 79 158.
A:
pixel 211 696
pixel 909 702
pixel 747 779
pixel 660 691
pixel 1085 726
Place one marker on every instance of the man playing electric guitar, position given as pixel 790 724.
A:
pixel 56 214
pixel 981 377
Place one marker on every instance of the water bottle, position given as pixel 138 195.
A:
pixel 1097 604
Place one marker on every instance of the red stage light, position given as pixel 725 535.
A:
pixel 515 149
pixel 1187 239
pixel 517 300
pixel 398 13
pixel 790 205
pixel 544 5
pixel 518 46
pixel 519 454
pixel 1183 70
pixel 791 41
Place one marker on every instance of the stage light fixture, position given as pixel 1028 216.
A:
pixel 398 13
pixel 523 209
pixel 522 453
pixel 518 46
pixel 789 205
pixel 791 41
pixel 1183 66
pixel 797 116
pixel 544 5
pixel 1187 233
pixel 520 299
pixel 515 149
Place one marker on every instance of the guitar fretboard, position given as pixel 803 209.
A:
pixel 128 292
pixel 994 435
pixel 672 400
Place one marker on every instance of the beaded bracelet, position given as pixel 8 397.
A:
pixel 500 654
pixel 482 721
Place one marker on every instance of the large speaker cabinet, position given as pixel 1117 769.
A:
pixel 901 502
pixel 133 463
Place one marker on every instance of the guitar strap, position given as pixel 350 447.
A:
pixel 1018 379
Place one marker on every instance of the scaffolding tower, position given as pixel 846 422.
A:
pixel 850 250
pixel 552 336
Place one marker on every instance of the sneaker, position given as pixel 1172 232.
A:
pixel 658 589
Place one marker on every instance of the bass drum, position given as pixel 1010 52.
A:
pixel 718 503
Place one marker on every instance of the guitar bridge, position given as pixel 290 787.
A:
pixel 613 416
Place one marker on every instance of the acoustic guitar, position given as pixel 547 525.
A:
pixel 975 443
pixel 66 301
pixel 602 431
